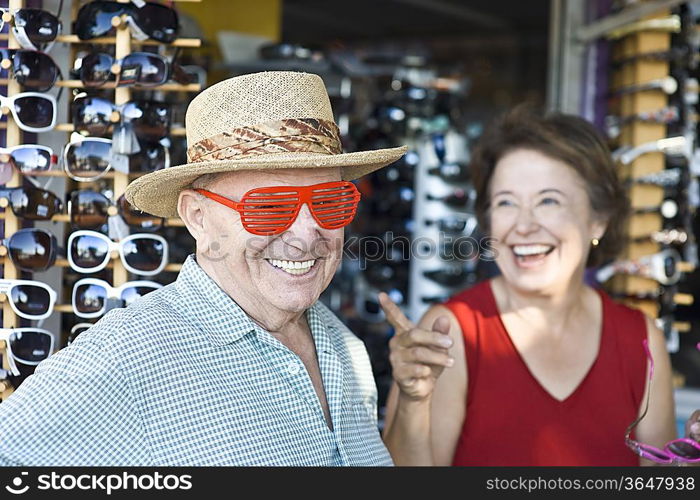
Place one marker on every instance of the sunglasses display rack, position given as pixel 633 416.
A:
pixel 113 183
pixel 651 121
pixel 446 250
pixel 13 137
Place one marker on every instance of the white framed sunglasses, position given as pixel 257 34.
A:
pixel 29 346
pixel 32 111
pixel 90 295
pixel 87 159
pixel 29 299
pixel 25 158
pixel 141 253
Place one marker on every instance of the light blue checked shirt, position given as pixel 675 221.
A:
pixel 184 377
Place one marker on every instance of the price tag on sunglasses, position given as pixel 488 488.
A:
pixel 129 75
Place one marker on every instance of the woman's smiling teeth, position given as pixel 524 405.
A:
pixel 293 266
pixel 529 253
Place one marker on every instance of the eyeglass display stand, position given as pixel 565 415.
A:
pixel 633 134
pixel 123 46
pixel 13 137
pixel 430 250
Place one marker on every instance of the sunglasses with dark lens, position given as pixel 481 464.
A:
pixel 141 253
pixel 90 158
pixel 32 111
pixel 152 156
pixel 32 69
pixel 31 203
pixel 29 299
pixel 32 249
pixel 267 211
pixel 91 210
pixel 681 450
pixel 29 346
pixel 144 69
pixel 76 330
pixel 149 20
pixel 96 116
pixel 90 295
pixel 25 158
pixel 34 29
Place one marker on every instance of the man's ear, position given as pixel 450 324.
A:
pixel 190 205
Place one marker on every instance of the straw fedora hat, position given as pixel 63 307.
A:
pixel 260 121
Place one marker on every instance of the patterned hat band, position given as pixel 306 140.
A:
pixel 293 135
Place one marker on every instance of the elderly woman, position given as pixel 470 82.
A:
pixel 541 369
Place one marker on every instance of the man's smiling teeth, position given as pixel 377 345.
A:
pixel 293 266
pixel 524 250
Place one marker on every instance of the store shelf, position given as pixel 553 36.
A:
pixel 68 127
pixel 61 173
pixel 178 42
pixel 170 222
pixel 167 87
pixel 168 268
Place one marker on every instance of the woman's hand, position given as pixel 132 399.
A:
pixel 417 356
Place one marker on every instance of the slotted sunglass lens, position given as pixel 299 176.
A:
pixel 335 207
pixel 269 213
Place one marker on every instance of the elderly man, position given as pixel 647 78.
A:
pixel 236 362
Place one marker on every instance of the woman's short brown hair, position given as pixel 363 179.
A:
pixel 566 138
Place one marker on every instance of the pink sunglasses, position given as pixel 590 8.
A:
pixel 682 450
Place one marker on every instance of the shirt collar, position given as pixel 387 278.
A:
pixel 210 307
pixel 222 318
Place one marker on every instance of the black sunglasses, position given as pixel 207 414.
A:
pixel 91 210
pixel 144 69
pixel 29 346
pixel 91 158
pixel 32 69
pixel 93 115
pixel 32 249
pixel 31 203
pixel 150 20
pixel 34 29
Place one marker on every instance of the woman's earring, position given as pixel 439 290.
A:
pixel 595 242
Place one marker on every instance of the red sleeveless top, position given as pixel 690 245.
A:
pixel 512 420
